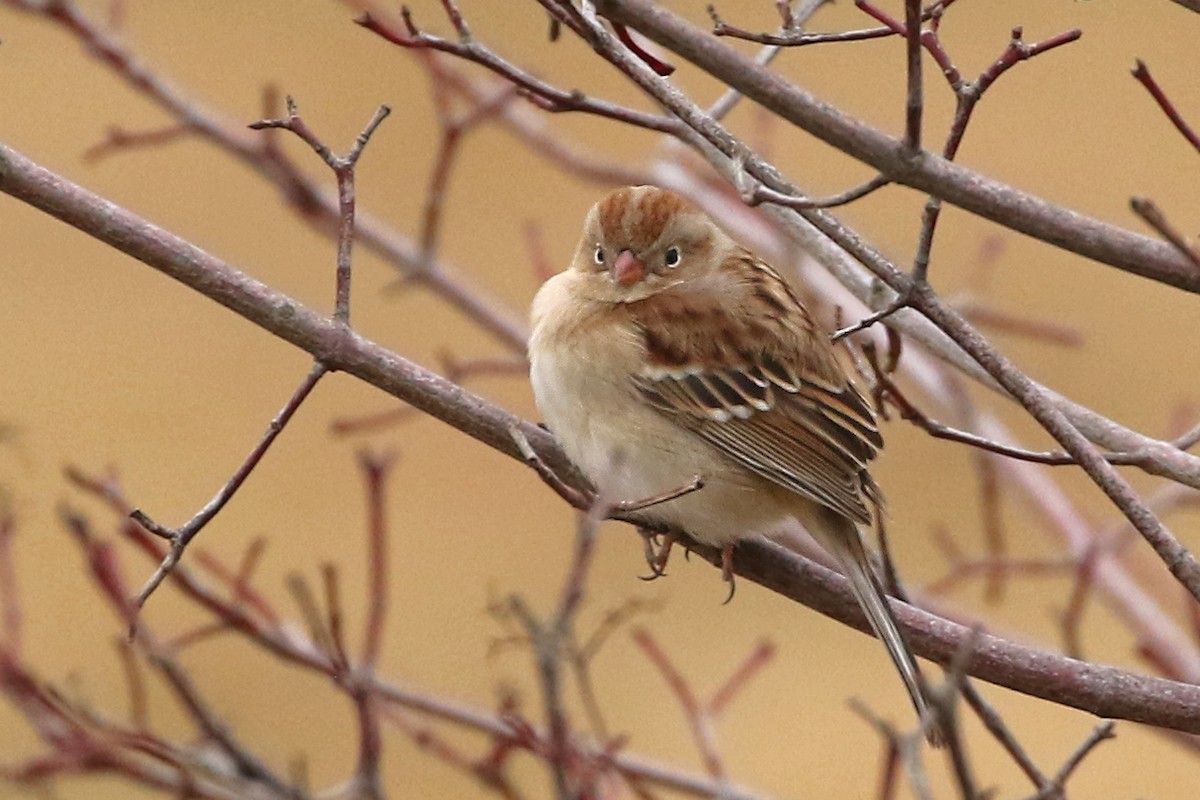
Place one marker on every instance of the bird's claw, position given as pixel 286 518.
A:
pixel 727 571
pixel 656 554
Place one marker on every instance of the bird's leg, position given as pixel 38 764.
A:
pixel 727 570
pixel 657 554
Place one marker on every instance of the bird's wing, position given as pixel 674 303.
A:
pixel 749 372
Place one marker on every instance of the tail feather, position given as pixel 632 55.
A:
pixel 842 539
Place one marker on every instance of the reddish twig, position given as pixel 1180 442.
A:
pixel 1142 73
pixel 543 269
pixel 962 569
pixel 701 714
pixel 135 685
pixel 10 606
pixel 370 423
pixel 119 139
pixel 527 124
pixel 1040 330
pixel 914 106
pixel 334 623
pixel 889 392
pixel 375 471
pixel 239 580
pixel 698 719
pixel 759 658
pixel 453 131
pixel 368 779
pixel 655 63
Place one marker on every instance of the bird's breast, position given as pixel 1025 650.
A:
pixel 581 378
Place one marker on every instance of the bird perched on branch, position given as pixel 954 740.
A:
pixel 666 351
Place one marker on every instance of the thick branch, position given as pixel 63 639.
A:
pixel 1105 691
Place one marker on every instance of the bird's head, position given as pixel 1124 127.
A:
pixel 642 240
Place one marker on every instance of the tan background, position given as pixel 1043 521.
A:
pixel 104 362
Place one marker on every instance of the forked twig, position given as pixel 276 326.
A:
pixel 179 538
pixel 343 167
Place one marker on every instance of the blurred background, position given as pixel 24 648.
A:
pixel 107 365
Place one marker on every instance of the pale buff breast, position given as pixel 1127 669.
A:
pixel 581 368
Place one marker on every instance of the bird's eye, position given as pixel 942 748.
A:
pixel 598 256
pixel 672 257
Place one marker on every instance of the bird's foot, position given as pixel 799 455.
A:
pixel 657 552
pixel 727 570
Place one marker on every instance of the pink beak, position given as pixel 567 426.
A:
pixel 627 270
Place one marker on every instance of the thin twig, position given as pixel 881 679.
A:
pixel 179 538
pixel 1153 216
pixel 536 91
pixel 900 750
pixel 759 194
pixel 915 103
pixel 119 139
pixel 909 412
pixel 10 605
pixel 698 718
pixel 1102 732
pixel 1142 73
pixel 996 726
pixel 343 169
pixel 791 35
pixel 375 471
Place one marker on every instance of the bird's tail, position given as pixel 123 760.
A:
pixel 842 539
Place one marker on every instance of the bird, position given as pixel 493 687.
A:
pixel 667 351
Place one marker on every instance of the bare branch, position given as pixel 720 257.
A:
pixel 182 536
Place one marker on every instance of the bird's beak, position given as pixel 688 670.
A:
pixel 627 270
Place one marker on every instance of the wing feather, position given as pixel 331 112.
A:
pixel 749 372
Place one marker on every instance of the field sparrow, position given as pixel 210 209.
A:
pixel 667 351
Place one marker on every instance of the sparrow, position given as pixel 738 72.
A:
pixel 667 351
